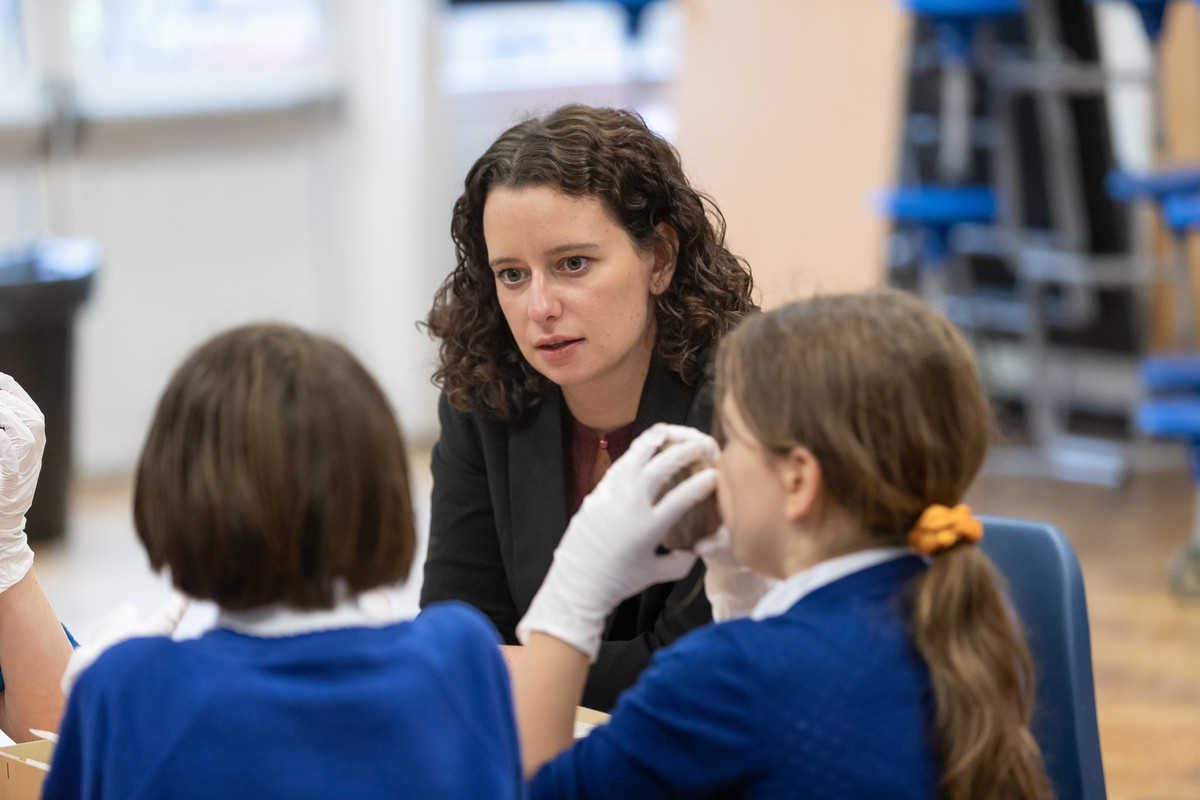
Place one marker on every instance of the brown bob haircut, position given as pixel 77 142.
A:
pixel 611 155
pixel 274 467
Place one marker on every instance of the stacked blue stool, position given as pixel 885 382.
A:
pixel 1173 410
pixel 1172 380
pixel 935 209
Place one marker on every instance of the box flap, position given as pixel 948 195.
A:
pixel 23 767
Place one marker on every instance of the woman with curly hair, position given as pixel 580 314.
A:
pixel 591 288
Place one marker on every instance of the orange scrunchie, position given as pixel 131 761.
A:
pixel 940 527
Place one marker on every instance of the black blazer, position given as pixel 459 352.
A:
pixel 499 509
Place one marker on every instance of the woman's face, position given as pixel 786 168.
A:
pixel 576 293
pixel 750 494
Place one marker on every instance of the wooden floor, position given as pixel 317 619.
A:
pixel 1145 643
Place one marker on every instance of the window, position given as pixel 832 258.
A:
pixel 138 57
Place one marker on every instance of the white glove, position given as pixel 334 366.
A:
pixel 608 551
pixel 120 624
pixel 733 590
pixel 22 440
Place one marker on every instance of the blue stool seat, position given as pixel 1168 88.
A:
pixel 964 8
pixel 956 20
pixel 941 206
pixel 1182 212
pixel 1171 373
pixel 1152 13
pixel 937 209
pixel 1125 186
pixel 1171 416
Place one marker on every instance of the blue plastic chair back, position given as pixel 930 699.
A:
pixel 1046 588
pixel 1174 372
pixel 1176 417
pixel 972 9
pixel 1182 212
pixel 1125 186
pixel 1152 13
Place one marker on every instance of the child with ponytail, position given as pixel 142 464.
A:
pixel 878 657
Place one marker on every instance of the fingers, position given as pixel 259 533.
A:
pixel 12 423
pixel 21 423
pixel 687 494
pixel 166 619
pixel 9 385
pixel 125 621
pixel 680 434
pixel 667 464
pixel 118 624
pixel 715 546
pixel 674 565
pixel 642 448
pixel 10 462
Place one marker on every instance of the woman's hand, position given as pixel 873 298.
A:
pixel 607 554
pixel 733 590
pixel 22 441
pixel 608 551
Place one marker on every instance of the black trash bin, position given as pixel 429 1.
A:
pixel 41 287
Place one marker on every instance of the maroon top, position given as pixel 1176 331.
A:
pixel 580 446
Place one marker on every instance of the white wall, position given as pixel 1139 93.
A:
pixel 337 230
pixel 789 117
pixel 192 244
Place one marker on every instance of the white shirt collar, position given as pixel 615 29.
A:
pixel 371 609
pixel 787 593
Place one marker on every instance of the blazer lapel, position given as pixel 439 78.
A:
pixel 537 475
pixel 665 398
pixel 538 495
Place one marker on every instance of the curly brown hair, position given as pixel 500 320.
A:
pixel 611 155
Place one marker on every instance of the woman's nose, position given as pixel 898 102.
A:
pixel 543 300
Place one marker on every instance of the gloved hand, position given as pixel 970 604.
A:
pixel 733 590
pixel 120 624
pixel 22 440
pixel 608 550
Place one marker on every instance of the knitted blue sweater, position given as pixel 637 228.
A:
pixel 419 709
pixel 829 700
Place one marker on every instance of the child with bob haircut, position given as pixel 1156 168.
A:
pixel 274 483
pixel 884 662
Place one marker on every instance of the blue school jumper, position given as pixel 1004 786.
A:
pixel 827 700
pixel 418 709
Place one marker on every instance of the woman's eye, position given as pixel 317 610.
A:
pixel 574 263
pixel 509 276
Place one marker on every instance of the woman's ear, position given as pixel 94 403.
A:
pixel 802 483
pixel 666 251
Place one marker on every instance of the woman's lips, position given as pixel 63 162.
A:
pixel 558 350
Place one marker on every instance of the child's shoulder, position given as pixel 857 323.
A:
pixel 810 639
pixel 131 662
pixel 455 618
pixel 453 632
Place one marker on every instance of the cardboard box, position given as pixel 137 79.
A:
pixel 586 719
pixel 23 767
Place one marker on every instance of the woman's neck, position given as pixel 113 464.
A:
pixel 609 402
